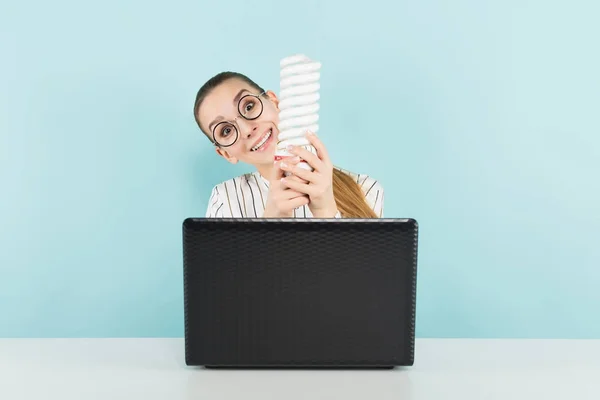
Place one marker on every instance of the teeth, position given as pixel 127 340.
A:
pixel 263 141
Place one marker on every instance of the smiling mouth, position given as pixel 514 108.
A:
pixel 264 140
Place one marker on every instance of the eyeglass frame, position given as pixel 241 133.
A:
pixel 234 121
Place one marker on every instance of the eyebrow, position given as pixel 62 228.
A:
pixel 235 100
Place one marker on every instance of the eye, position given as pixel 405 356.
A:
pixel 249 106
pixel 225 131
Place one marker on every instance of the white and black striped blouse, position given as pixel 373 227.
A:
pixel 245 196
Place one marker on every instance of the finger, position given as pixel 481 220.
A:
pixel 319 146
pixel 290 194
pixel 301 173
pixel 279 186
pixel 290 175
pixel 292 160
pixel 277 172
pixel 297 186
pixel 312 159
pixel 298 202
pixel 296 178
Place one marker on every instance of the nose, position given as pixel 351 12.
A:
pixel 248 127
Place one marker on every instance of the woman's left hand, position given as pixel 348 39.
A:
pixel 319 186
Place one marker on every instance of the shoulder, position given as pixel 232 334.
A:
pixel 236 197
pixel 368 184
pixel 233 184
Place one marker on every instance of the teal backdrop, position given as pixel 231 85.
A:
pixel 481 120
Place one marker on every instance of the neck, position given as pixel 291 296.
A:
pixel 265 170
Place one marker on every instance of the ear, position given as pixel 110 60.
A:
pixel 273 97
pixel 226 155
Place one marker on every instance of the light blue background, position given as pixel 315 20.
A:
pixel 481 119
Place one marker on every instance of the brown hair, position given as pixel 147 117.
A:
pixel 349 197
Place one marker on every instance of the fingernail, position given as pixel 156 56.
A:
pixel 283 165
pixel 309 133
pixel 290 147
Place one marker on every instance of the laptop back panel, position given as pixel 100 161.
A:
pixel 300 293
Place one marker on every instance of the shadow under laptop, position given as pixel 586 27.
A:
pixel 303 368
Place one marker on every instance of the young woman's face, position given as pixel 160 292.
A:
pixel 235 113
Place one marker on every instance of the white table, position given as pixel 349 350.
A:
pixel 149 369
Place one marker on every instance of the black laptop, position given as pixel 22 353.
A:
pixel 308 293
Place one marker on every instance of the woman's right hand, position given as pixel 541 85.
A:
pixel 282 200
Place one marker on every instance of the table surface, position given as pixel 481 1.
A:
pixel 155 369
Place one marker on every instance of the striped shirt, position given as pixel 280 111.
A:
pixel 245 196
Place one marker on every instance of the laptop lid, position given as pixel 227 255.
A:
pixel 299 292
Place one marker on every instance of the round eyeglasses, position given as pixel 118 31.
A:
pixel 250 107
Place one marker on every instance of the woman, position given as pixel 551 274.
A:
pixel 241 119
